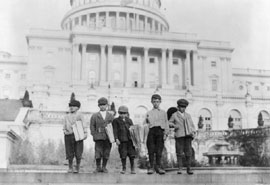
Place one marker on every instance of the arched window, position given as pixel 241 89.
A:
pixel 139 115
pixel 207 118
pixel 266 118
pixel 237 119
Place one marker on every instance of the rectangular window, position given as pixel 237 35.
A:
pixel 175 61
pixel 7 76
pixel 214 85
pixel 134 59
pixel 256 88
pixel 213 64
pixel 23 76
pixel 151 60
pixel 268 88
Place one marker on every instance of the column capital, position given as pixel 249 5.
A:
pixel 146 48
pixel 102 45
pixel 188 51
pixel 110 46
pixel 128 47
pixel 170 49
pixel 84 46
pixel 163 49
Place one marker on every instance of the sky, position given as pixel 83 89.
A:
pixel 244 23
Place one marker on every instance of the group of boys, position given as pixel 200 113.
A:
pixel 157 123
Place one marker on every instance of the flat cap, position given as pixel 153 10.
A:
pixel 102 101
pixel 182 103
pixel 74 103
pixel 123 108
pixel 156 96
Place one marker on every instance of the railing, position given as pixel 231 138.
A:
pixel 260 132
pixel 38 116
pixel 210 43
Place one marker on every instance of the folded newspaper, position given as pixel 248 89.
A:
pixel 135 132
pixel 78 130
pixel 109 132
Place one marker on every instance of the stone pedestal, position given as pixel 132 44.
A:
pixel 7 138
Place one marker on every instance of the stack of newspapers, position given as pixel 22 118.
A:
pixel 109 131
pixel 78 130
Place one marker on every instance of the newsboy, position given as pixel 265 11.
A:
pixel 158 131
pixel 103 146
pixel 184 134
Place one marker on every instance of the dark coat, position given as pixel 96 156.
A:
pixel 98 124
pixel 121 129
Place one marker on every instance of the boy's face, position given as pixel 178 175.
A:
pixel 103 107
pixel 182 109
pixel 73 109
pixel 156 103
pixel 123 115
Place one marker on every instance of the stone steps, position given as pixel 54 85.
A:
pixel 217 177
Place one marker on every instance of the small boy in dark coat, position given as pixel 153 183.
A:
pixel 103 145
pixel 122 137
pixel 73 147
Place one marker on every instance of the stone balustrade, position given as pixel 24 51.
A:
pixel 52 117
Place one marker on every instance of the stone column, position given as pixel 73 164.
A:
pixel 83 74
pixel 87 20
pixel 163 68
pixel 127 22
pixel 80 20
pixel 153 25
pixel 126 67
pixel 195 63
pixel 137 22
pixel 144 71
pixel 117 21
pixel 107 20
pixel 73 23
pixel 170 66
pixel 109 63
pixel 159 27
pixel 102 66
pixel 187 67
pixel 145 24
pixel 97 20
pixel 74 65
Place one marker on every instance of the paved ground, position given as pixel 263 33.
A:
pixel 203 176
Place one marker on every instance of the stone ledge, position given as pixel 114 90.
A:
pixel 215 176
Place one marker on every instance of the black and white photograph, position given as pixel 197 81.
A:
pixel 136 92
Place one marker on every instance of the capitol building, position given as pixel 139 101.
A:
pixel 124 50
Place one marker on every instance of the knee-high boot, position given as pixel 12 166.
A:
pixel 132 165
pixel 189 171
pixel 124 161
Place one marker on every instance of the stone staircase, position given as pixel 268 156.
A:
pixel 202 176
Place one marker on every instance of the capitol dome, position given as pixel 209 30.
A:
pixel 142 16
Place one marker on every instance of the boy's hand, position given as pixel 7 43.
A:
pixel 171 125
pixel 165 137
pixel 117 142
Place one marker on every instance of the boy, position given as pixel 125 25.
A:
pixel 184 134
pixel 122 137
pixel 158 131
pixel 73 147
pixel 103 146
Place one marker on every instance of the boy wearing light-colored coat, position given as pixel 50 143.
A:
pixel 184 134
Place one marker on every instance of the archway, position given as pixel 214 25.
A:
pixel 207 118
pixel 237 119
